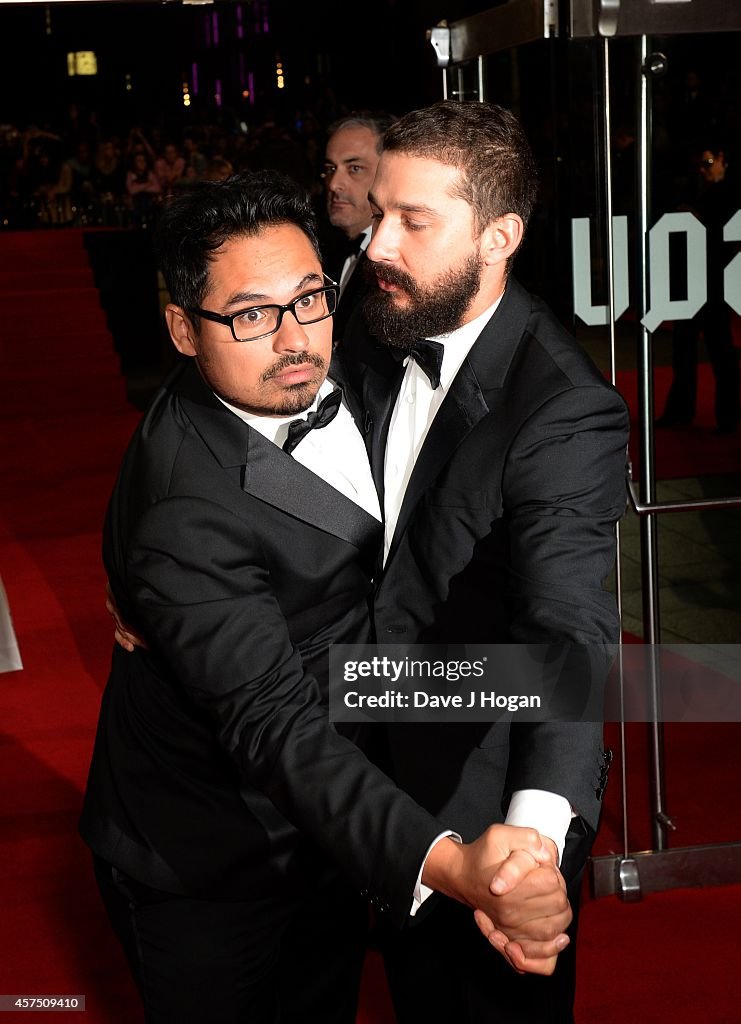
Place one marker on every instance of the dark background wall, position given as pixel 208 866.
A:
pixel 371 54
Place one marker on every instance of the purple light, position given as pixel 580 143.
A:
pixel 215 22
pixel 251 87
pixel 240 27
pixel 217 97
pixel 194 78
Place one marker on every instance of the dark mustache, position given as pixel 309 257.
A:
pixel 294 360
pixel 392 275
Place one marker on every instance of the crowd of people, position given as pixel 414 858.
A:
pixel 77 174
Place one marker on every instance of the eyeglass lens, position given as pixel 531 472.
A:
pixel 262 320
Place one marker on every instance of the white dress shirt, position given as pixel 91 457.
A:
pixel 416 406
pixel 336 452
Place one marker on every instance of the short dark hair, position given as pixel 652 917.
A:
pixel 375 121
pixel 485 142
pixel 195 223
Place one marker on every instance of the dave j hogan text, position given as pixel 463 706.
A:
pixel 480 699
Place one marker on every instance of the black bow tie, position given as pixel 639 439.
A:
pixel 429 355
pixel 325 413
pixel 353 246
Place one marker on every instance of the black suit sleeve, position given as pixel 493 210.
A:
pixel 564 489
pixel 210 605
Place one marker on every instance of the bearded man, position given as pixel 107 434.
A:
pixel 499 454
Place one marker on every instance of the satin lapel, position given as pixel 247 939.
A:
pixel 462 409
pixel 276 478
pixel 356 285
pixel 268 473
pixel 495 348
pixel 377 376
pixel 477 385
pixel 338 374
pixel 380 398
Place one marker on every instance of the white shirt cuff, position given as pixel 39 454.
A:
pixel 421 891
pixel 549 813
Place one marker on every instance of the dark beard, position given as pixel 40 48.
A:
pixel 298 397
pixel 438 309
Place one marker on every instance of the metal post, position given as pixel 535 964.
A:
pixel 627 883
pixel 660 822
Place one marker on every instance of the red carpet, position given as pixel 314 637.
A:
pixel 65 422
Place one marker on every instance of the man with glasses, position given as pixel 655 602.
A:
pixel 239 541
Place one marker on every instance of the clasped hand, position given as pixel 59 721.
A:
pixel 510 878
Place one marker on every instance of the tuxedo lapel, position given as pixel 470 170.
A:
pixel 267 472
pixel 276 478
pixel 351 298
pixel 380 396
pixel 473 392
pixel 377 376
pixel 462 409
pixel 338 375
pixel 495 348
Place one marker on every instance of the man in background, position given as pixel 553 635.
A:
pixel 350 161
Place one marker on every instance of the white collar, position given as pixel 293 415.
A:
pixel 271 426
pixel 458 344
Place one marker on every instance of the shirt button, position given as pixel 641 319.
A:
pixel 410 399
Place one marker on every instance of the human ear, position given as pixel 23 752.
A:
pixel 181 330
pixel 502 238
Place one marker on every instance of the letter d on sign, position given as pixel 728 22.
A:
pixel 662 306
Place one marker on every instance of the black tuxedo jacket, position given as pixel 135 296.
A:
pixel 334 250
pixel 215 766
pixel 352 299
pixel 506 533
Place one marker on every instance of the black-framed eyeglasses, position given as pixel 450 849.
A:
pixel 261 321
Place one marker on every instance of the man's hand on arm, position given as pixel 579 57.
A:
pixel 123 635
pixel 508 876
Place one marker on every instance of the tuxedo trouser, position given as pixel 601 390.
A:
pixel 442 969
pixel 282 958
